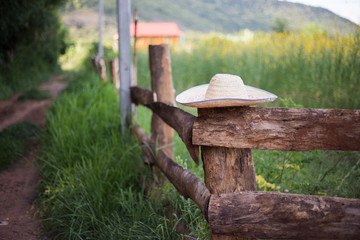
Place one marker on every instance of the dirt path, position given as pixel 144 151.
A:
pixel 18 183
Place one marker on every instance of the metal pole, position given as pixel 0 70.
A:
pixel 101 13
pixel 125 66
pixel 134 80
pixel 135 53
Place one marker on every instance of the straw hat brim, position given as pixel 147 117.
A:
pixel 195 97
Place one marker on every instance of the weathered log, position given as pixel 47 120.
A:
pixel 184 181
pixel 296 129
pixel 227 170
pixel 142 96
pixel 289 216
pixel 162 85
pixel 178 119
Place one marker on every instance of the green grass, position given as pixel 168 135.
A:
pixel 318 70
pixel 14 142
pixel 93 177
pixel 305 70
pixel 18 80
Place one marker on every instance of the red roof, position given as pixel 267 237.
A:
pixel 152 29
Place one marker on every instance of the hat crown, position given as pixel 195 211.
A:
pixel 224 86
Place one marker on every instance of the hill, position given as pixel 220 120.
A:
pixel 234 15
pixel 224 15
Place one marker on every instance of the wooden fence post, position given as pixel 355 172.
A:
pixel 162 86
pixel 114 71
pixel 102 70
pixel 100 67
pixel 227 170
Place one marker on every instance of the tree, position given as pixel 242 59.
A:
pixel 280 25
pixel 31 37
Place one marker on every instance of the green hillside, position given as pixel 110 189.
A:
pixel 223 15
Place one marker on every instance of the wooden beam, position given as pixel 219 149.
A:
pixel 184 181
pixel 178 119
pixel 142 96
pixel 297 129
pixel 277 216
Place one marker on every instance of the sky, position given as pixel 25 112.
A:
pixel 349 9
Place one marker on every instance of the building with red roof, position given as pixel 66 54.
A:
pixel 155 33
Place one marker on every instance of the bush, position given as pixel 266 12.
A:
pixel 32 39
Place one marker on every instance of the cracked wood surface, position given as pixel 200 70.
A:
pixel 294 129
pixel 290 216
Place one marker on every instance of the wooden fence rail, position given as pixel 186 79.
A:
pixel 279 215
pixel 229 201
pixel 256 214
pixel 294 129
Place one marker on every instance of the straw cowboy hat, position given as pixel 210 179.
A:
pixel 224 90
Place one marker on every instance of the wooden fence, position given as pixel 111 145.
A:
pixel 229 200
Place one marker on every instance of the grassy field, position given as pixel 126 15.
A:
pixel 315 70
pixel 93 176
pixel 304 69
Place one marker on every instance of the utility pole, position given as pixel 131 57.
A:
pixel 125 66
pixel 101 13
pixel 135 52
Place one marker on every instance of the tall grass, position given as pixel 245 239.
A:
pixel 14 142
pixel 305 70
pixel 93 177
pixel 316 70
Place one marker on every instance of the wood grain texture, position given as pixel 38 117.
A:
pixel 290 216
pixel 161 73
pixel 227 170
pixel 294 129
